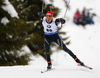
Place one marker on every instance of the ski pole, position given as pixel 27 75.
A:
pixel 50 5
pixel 42 7
pixel 66 10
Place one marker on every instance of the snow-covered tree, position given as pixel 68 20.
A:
pixel 12 36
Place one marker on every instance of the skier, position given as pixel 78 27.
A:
pixel 51 35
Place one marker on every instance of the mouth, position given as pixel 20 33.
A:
pixel 49 20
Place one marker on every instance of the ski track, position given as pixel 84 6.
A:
pixel 58 72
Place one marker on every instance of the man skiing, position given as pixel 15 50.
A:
pixel 51 35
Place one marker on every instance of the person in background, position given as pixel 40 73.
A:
pixel 89 19
pixel 77 17
pixel 85 12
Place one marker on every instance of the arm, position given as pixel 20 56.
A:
pixel 60 20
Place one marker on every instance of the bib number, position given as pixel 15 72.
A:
pixel 48 28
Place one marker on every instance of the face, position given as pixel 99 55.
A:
pixel 48 19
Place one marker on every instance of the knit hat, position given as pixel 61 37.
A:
pixel 49 13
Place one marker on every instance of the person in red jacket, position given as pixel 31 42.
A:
pixel 76 17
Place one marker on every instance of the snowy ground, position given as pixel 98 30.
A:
pixel 84 43
pixel 59 72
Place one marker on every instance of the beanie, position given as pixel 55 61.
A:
pixel 49 13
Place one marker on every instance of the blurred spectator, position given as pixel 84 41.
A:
pixel 85 12
pixel 84 18
pixel 76 17
pixel 89 19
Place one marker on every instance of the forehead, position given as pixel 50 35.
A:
pixel 48 17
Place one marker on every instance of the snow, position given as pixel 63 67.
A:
pixel 47 2
pixel 10 9
pixel 4 20
pixel 85 44
pixel 59 72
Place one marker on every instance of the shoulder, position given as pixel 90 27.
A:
pixel 58 19
pixel 44 18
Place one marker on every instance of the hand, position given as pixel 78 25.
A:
pixel 41 14
pixel 62 21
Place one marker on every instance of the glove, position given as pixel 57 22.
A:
pixel 41 14
pixel 62 21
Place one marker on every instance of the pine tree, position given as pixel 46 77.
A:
pixel 13 37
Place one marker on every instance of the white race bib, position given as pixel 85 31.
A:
pixel 49 28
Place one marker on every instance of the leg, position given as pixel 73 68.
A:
pixel 63 46
pixel 47 48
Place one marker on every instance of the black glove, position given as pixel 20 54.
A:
pixel 41 14
pixel 62 21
